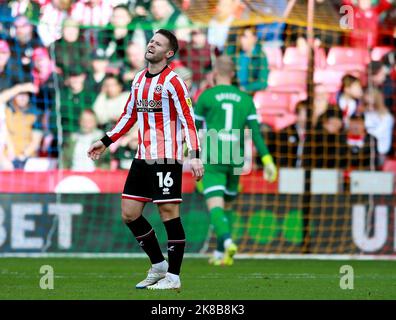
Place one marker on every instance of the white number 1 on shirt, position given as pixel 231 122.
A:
pixel 228 120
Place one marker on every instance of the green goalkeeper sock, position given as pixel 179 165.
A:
pixel 221 226
pixel 229 213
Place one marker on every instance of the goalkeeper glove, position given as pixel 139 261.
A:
pixel 270 171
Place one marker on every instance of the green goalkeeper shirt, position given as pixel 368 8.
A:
pixel 227 111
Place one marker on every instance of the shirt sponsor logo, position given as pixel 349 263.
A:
pixel 189 102
pixel 145 105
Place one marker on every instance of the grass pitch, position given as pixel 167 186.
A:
pixel 76 279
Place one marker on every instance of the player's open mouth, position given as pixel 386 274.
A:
pixel 150 51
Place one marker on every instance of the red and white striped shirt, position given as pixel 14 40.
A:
pixel 163 109
pixel 50 25
pixel 87 15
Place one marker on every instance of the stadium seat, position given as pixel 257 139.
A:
pixel 39 164
pixel 275 102
pixel 389 165
pixel 274 57
pixel 348 59
pixel 287 80
pixel 296 59
pixel 330 78
pixel 378 52
pixel 278 122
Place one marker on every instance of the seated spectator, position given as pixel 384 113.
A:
pixel 75 98
pixel 99 68
pixel 365 31
pixel 44 70
pixel 195 55
pixel 91 13
pixel 388 28
pixel 8 93
pixel 324 144
pixel 27 8
pixel 24 130
pixel 52 16
pixel 8 70
pixel 382 75
pixel 77 144
pixel 6 147
pixel 287 145
pixel 348 99
pixel 43 66
pixel 25 41
pixel 251 62
pixel 140 7
pixel 378 121
pixel 361 147
pixel 327 143
pixel 122 30
pixel 110 103
pixel 220 30
pixel 164 15
pixel 377 73
pixel 133 63
pixel 322 107
pixel 70 49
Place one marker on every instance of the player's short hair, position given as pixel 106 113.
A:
pixel 225 65
pixel 173 43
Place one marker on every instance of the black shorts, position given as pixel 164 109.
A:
pixel 159 182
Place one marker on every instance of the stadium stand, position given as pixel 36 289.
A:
pixel 85 57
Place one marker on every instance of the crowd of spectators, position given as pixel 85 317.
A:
pixel 66 68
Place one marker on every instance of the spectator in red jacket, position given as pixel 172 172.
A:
pixel 195 55
pixel 365 32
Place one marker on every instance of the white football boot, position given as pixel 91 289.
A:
pixel 155 274
pixel 170 282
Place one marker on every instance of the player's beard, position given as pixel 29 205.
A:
pixel 154 58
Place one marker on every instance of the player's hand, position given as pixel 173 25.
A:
pixel 95 150
pixel 197 168
pixel 270 170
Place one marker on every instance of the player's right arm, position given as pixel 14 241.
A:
pixel 124 123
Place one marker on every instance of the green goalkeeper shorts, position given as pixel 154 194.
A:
pixel 220 181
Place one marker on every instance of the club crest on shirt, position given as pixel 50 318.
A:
pixel 158 88
pixel 137 85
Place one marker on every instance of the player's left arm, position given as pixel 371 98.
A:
pixel 184 108
pixel 270 170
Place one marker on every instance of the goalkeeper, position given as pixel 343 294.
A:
pixel 226 111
